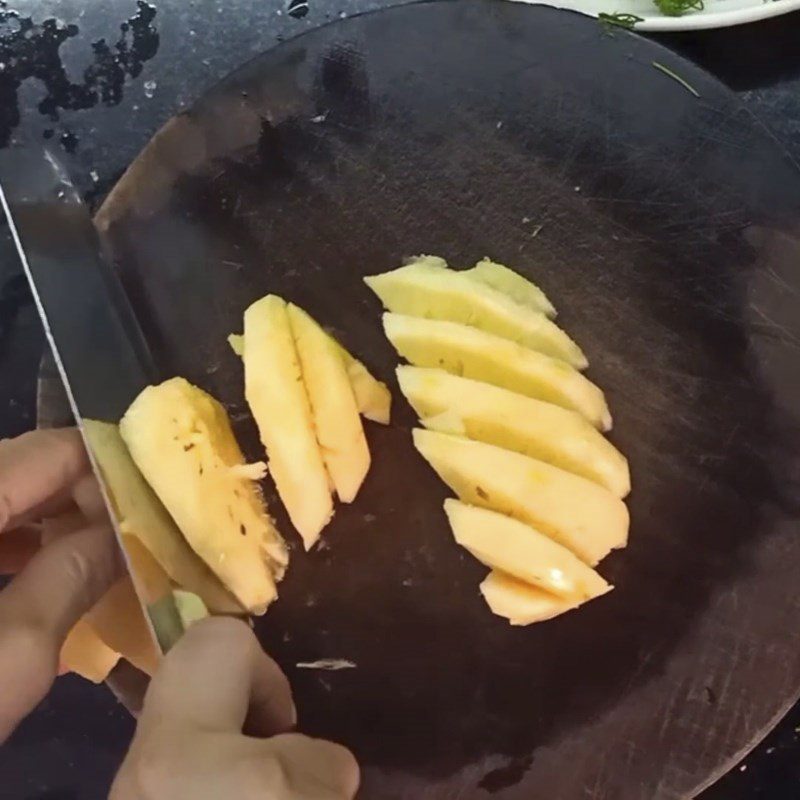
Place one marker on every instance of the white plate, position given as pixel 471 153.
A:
pixel 716 14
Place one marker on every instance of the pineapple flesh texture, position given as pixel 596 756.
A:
pixel 181 440
pixel 576 513
pixel 278 399
pixel 471 353
pixel 142 516
pixel 433 292
pixel 487 413
pixel 336 419
pixel 520 603
pixel 519 550
pixel 512 284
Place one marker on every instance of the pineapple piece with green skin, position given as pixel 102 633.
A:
pixel 576 513
pixel 505 544
pixel 520 603
pixel 463 350
pixel 181 440
pixel 486 413
pixel 336 418
pixel 143 517
pixel 278 399
pixel 512 284
pixel 373 398
pixel 426 290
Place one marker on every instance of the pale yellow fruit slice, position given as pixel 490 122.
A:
pixel 373 398
pixel 520 603
pixel 512 284
pixel 519 550
pixel 86 654
pixel 236 342
pixel 181 440
pixel 424 290
pixel 119 621
pixel 142 516
pixel 277 397
pixel 466 351
pixel 487 413
pixel 579 514
pixel 336 419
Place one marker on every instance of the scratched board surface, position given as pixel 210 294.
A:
pixel 662 223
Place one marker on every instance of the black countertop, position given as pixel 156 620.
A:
pixel 100 80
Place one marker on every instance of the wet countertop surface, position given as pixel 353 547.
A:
pixel 99 82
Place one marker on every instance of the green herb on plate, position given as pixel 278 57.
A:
pixel 674 8
pixel 619 20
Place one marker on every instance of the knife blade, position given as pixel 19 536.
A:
pixel 101 353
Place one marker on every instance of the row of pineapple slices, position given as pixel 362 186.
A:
pixel 509 423
pixel 513 428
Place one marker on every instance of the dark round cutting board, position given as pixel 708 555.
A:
pixel 662 226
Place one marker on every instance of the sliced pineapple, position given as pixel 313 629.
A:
pixel 505 544
pixel 277 397
pixel 142 516
pixel 181 440
pixel 579 514
pixel 119 621
pixel 520 603
pixel 336 418
pixel 450 404
pixel 373 398
pixel 86 654
pixel 433 292
pixel 512 284
pixel 463 350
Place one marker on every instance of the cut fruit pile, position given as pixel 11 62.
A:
pixel 210 545
pixel 513 428
pixel 509 423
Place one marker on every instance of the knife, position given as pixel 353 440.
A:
pixel 100 351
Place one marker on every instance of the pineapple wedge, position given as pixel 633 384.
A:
pixel 86 654
pixel 277 397
pixel 433 292
pixel 338 424
pixel 505 544
pixel 119 621
pixel 142 516
pixel 487 413
pixel 520 603
pixel 576 513
pixel 512 284
pixel 181 440
pixel 463 350
pixel 373 398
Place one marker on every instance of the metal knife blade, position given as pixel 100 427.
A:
pixel 97 344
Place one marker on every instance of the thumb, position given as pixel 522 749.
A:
pixel 216 678
pixel 189 741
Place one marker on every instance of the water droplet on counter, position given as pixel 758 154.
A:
pixel 94 176
pixel 150 88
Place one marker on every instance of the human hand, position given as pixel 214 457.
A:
pixel 189 743
pixel 45 474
